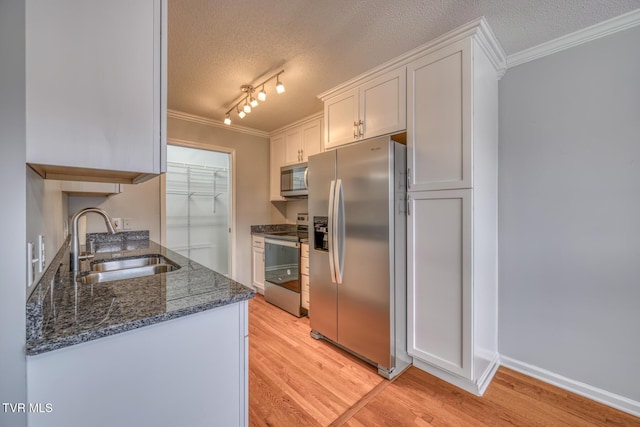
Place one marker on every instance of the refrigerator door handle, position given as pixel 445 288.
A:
pixel 330 231
pixel 339 232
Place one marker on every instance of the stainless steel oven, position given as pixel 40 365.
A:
pixel 282 284
pixel 281 273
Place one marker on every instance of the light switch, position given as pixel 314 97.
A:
pixel 127 223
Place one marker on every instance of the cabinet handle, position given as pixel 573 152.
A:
pixel 408 178
pixel 360 128
pixel 355 130
pixel 408 206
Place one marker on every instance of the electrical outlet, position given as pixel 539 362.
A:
pixel 127 223
pixel 118 223
pixel 41 257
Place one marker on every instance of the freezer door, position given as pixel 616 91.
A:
pixel 322 289
pixel 364 296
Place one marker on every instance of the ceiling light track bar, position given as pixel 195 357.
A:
pixel 249 100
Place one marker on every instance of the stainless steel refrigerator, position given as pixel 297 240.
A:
pixel 357 256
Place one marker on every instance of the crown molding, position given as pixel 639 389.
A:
pixel 478 28
pixel 302 121
pixel 173 114
pixel 602 29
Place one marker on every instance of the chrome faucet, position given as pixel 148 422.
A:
pixel 76 239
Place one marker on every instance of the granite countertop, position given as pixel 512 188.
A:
pixel 261 230
pixel 61 313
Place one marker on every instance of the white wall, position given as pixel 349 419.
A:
pixel 252 181
pixel 13 214
pixel 138 202
pixel 46 212
pixel 569 213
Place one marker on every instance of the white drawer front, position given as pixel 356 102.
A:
pixel 304 266
pixel 257 241
pixel 304 283
pixel 304 250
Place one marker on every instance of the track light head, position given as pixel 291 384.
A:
pixel 262 95
pixel 227 119
pixel 279 85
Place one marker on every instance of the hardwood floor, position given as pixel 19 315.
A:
pixel 295 380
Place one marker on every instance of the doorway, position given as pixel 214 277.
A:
pixel 198 206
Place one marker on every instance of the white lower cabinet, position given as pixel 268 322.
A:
pixel 451 288
pixel 257 262
pixel 304 275
pixel 190 371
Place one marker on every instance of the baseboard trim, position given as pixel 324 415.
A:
pixel 599 395
pixel 478 388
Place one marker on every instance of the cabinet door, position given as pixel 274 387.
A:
pixel 276 161
pixel 383 104
pixel 311 139
pixel 257 276
pixel 439 295
pixel 439 119
pixel 95 84
pixel 340 115
pixel 293 145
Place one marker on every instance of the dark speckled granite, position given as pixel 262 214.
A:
pixel 61 313
pixel 270 228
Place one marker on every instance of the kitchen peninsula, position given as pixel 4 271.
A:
pixel 164 349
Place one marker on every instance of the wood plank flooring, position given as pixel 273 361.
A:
pixel 295 380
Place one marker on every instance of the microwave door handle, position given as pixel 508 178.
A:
pixel 330 227
pixel 339 232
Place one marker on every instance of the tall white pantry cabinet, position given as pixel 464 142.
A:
pixel 452 151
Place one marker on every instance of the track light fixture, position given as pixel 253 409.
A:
pixel 248 99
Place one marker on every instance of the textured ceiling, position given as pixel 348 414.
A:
pixel 215 46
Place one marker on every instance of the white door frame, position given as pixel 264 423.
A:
pixel 232 170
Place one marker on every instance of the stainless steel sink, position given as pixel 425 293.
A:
pixel 127 268
pixel 122 263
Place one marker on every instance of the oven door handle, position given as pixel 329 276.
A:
pixel 331 227
pixel 282 243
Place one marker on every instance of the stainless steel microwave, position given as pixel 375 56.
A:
pixel 293 181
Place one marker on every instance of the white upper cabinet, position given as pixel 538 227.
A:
pixel 302 141
pixel 293 144
pixel 311 138
pixel 439 122
pixel 375 107
pixel 276 161
pixel 96 88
